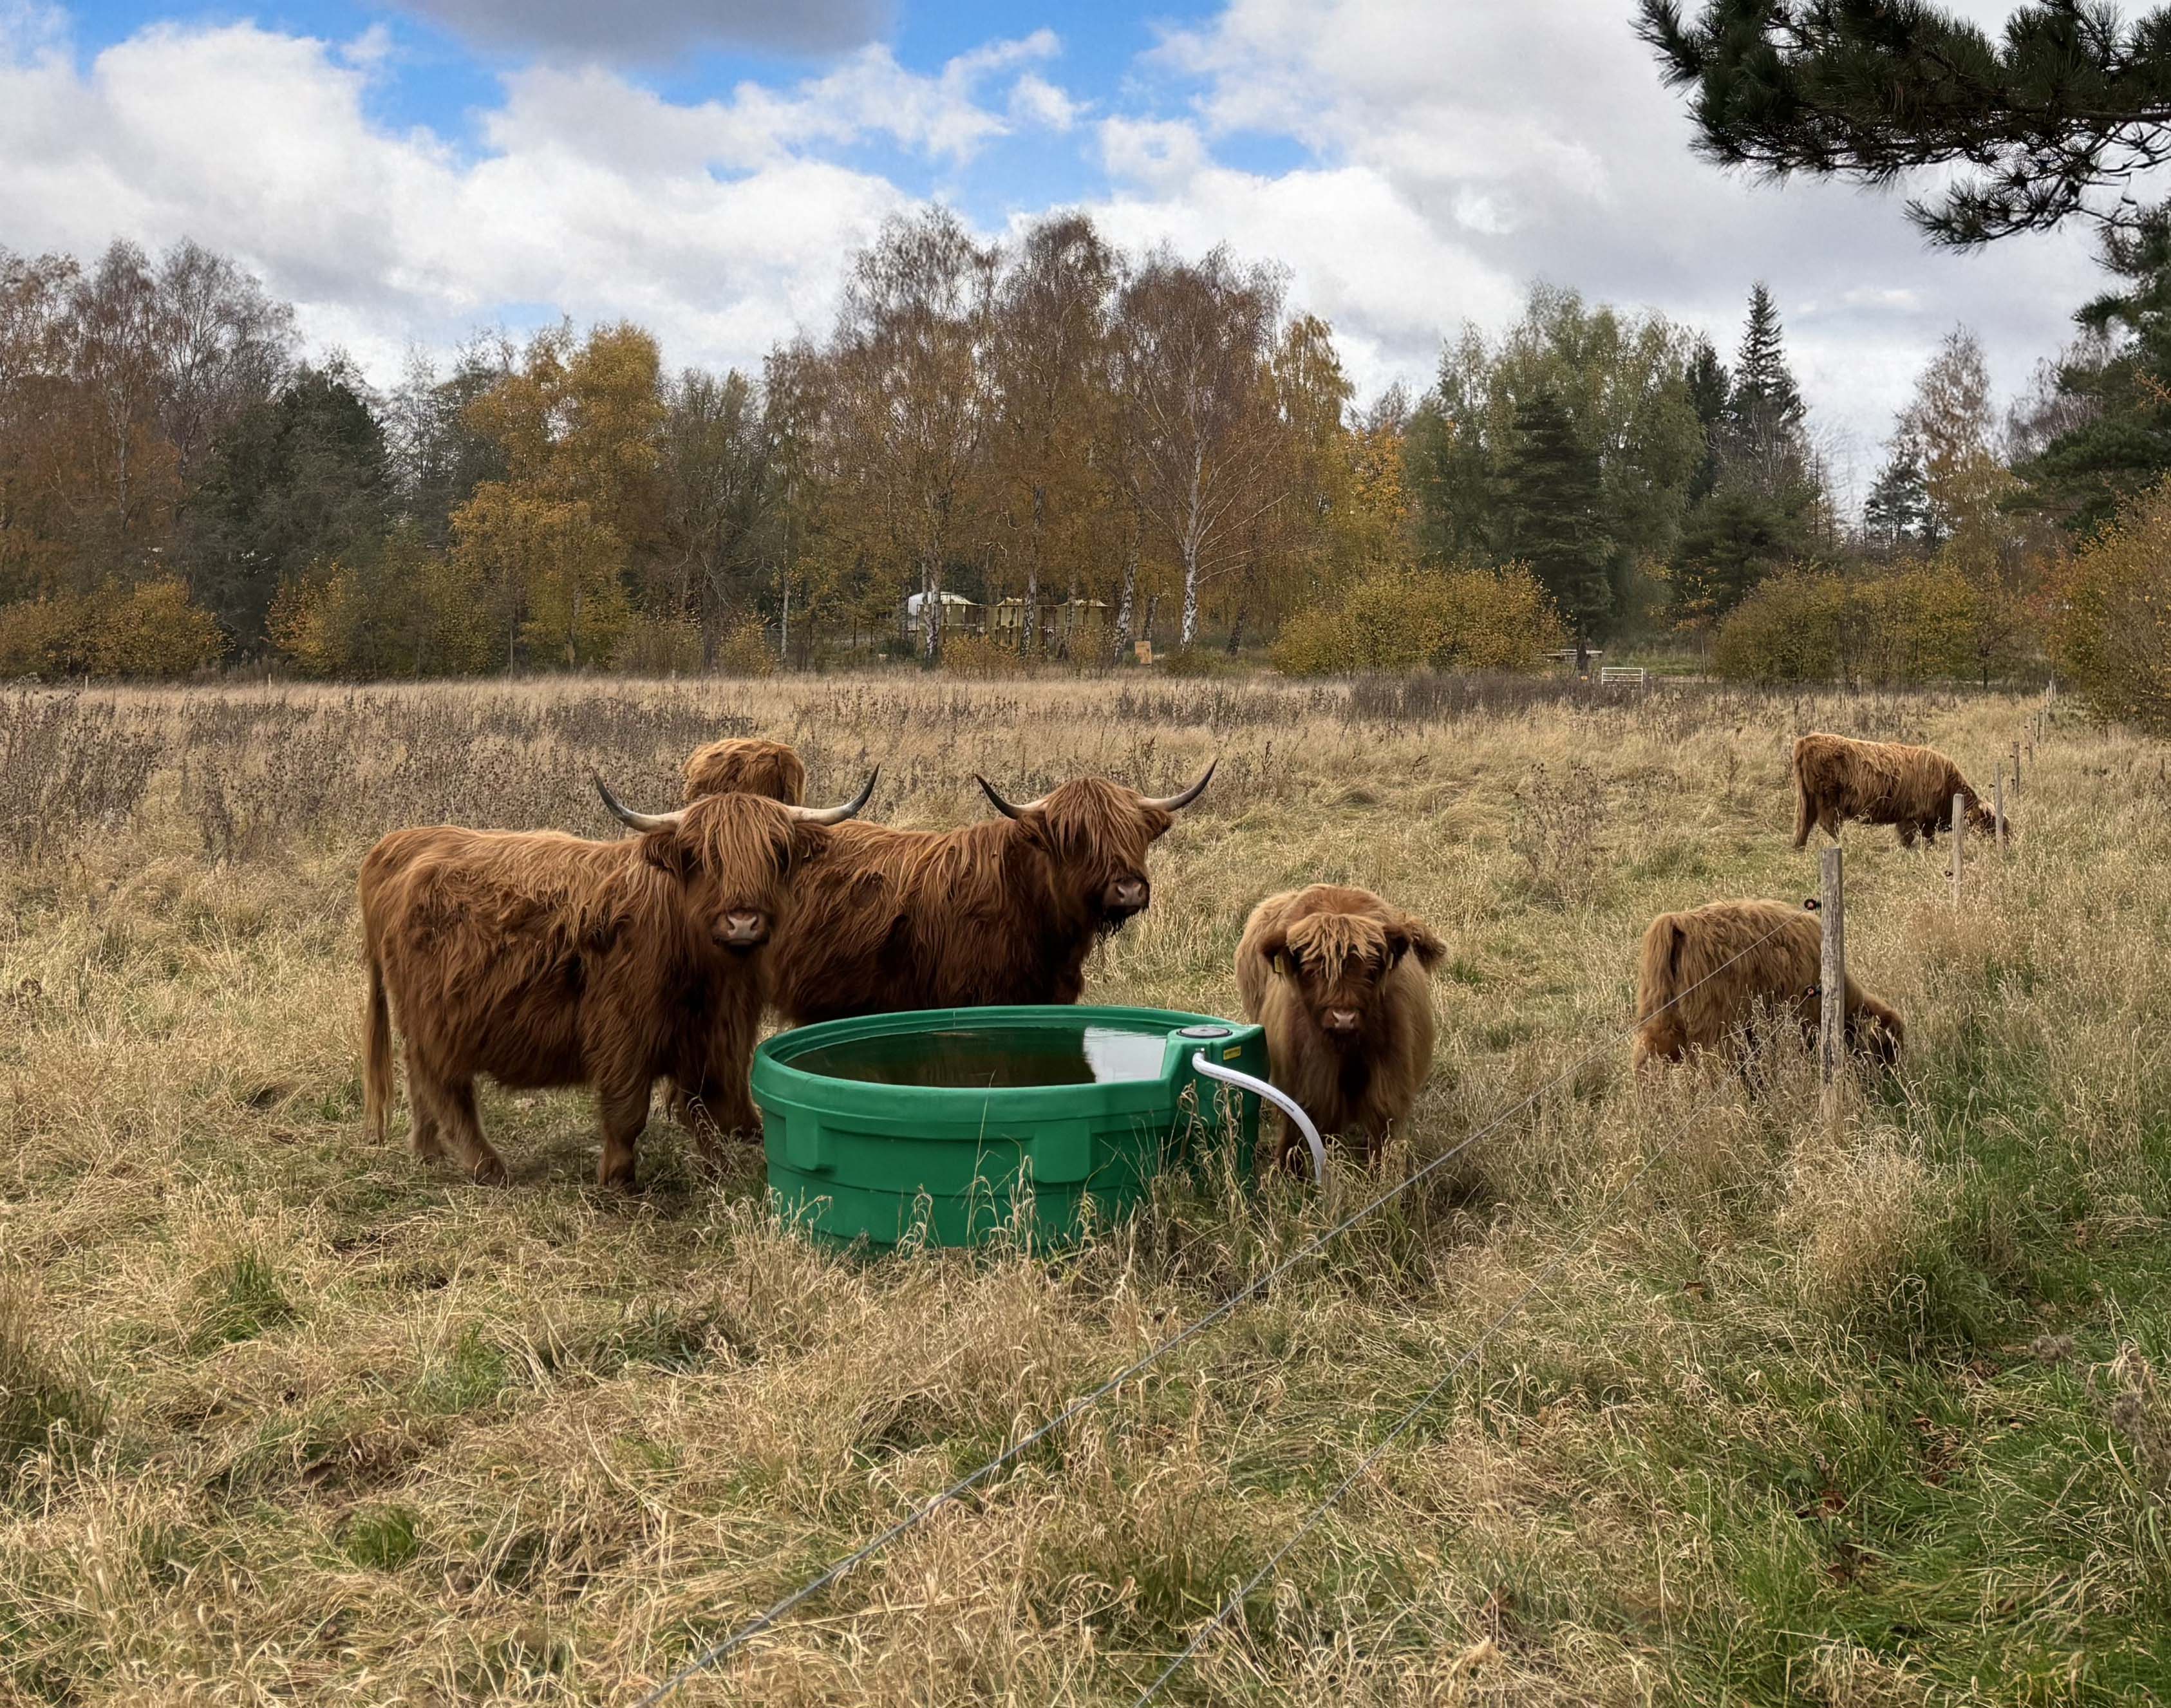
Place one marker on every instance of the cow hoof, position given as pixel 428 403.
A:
pixel 492 1171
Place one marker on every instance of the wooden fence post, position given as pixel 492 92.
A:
pixel 1960 842
pixel 2016 768
pixel 1831 1029
pixel 1999 809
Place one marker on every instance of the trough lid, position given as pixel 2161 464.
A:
pixel 1204 1031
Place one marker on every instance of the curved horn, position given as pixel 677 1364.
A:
pixel 639 820
pixel 1177 803
pixel 1008 809
pixel 837 815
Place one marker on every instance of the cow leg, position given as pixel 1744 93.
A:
pixel 464 1134
pixel 625 1111
pixel 1907 836
pixel 424 1125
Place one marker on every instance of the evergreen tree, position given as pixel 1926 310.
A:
pixel 1709 386
pixel 1551 509
pixel 2114 389
pixel 1897 514
pixel 292 482
pixel 1764 392
pixel 2056 116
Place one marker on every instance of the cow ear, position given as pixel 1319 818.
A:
pixel 1409 935
pixel 667 850
pixel 1274 947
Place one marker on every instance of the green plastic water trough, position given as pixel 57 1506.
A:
pixel 948 1121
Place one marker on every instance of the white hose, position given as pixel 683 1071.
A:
pixel 1281 1100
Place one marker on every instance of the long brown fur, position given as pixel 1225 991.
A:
pixel 1306 954
pixel 746 765
pixel 1837 778
pixel 1001 912
pixel 540 959
pixel 1692 992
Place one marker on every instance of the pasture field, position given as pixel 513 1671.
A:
pixel 1877 1418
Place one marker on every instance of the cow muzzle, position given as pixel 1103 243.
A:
pixel 1340 1022
pixel 1124 897
pixel 742 929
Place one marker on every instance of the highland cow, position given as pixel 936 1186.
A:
pixel 1337 976
pixel 543 960
pixel 1706 973
pixel 746 765
pixel 1001 912
pixel 1836 779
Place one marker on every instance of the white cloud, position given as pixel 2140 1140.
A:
pixel 1034 100
pixel 1489 146
pixel 718 224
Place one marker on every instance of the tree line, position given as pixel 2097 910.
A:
pixel 1093 447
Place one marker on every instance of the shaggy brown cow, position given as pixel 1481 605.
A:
pixel 543 960
pixel 1338 978
pixel 1001 912
pixel 1705 971
pixel 746 765
pixel 1836 779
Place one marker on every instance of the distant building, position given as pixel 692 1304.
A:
pixel 958 615
pixel 1062 617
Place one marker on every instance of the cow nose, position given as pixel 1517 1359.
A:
pixel 1128 895
pixel 743 929
pixel 1340 1020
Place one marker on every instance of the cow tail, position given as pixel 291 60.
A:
pixel 376 1052
pixel 1655 976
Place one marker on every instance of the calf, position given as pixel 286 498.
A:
pixel 540 959
pixel 1705 973
pixel 1836 779
pixel 1337 976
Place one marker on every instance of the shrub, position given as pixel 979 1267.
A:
pixel 659 646
pixel 2114 639
pixel 151 629
pixel 744 650
pixel 1921 623
pixel 1788 629
pixel 982 655
pixel 1425 619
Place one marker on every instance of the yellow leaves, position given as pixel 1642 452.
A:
pixel 2111 595
pixel 1412 619
pixel 151 629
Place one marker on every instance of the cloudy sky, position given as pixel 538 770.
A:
pixel 407 170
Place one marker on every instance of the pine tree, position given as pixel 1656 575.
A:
pixel 1708 386
pixel 1552 503
pixel 1897 514
pixel 2055 116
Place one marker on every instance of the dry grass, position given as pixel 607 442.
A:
pixel 1866 1419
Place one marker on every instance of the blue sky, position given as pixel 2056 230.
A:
pixel 409 173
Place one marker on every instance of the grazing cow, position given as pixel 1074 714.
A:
pixel 1338 978
pixel 540 959
pixel 746 765
pixel 1004 911
pixel 1705 972
pixel 1836 779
